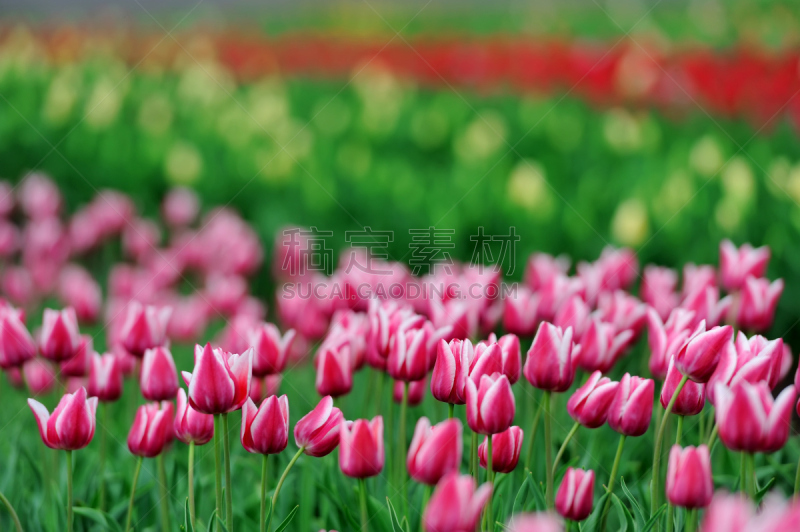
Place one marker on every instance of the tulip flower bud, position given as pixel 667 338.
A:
pixel 758 303
pixel 416 391
pixel 159 378
pixel 490 404
pixel 623 311
pixel 506 447
pixel 750 420
pixel 658 290
pixel 535 522
pixel 71 425
pixel 699 356
pixel 144 327
pixel 520 312
pixel 270 350
pixel 455 505
pixel 510 354
pixel 334 371
pixel 361 447
pixel 434 451
pixel 707 305
pixel 318 431
pixel 265 430
pixel 590 403
pixel 16 343
pixel 753 360
pixel 59 338
pixel 692 397
pixel 602 345
pixel 78 366
pixel 180 207
pixel 727 513
pixel 576 494
pixel 457 362
pixel 79 290
pixel 689 483
pixel 385 317
pixel 40 375
pixel 574 313
pixel 220 382
pixel 666 339
pixel 408 357
pixel 735 265
pixel 632 407
pixel 549 365
pixel 190 425
pixel 151 429
pixel 105 377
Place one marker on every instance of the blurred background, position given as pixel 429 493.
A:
pixel 664 126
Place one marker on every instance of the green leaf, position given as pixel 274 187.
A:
pixel 187 523
pixel 654 519
pixel 101 518
pixel 285 523
pixel 637 508
pixel 625 516
pixel 393 517
pixel 763 491
pixel 591 523
pixel 211 521
pixel 522 495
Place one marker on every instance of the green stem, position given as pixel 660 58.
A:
pixel 670 508
pixel 401 454
pixel 691 520
pixel 280 483
pixel 162 481
pixel 451 410
pixel 228 494
pixel 751 475
pixel 191 485
pixel 379 392
pixel 548 451
pixel 611 481
pixel 473 468
pixel 797 481
pixel 655 487
pixel 567 525
pixel 713 436
pixel 563 448
pixel 136 471
pixel 102 466
pixel 490 476
pixel 426 495
pixel 262 523
pixel 743 472
pixel 69 491
pixel 534 427
pixel 15 518
pixel 363 500
pixel 679 430
pixel 218 468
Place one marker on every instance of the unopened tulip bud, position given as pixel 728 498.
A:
pixel 16 343
pixel 520 312
pixel 455 505
pixel 434 451
pixel 750 420
pixel 408 357
pixel 40 375
pixel 71 425
pixel 144 327
pixel 699 356
pixel 59 337
pixel 602 345
pixel 190 425
pixel 220 382
pixel 758 302
pixel 265 429
pixel 576 494
pixel 159 378
pixel 692 398
pixel 151 429
pixel 632 407
pixel 318 431
pixel 689 483
pixel 270 349
pixel 590 403
pixel 105 377
pixel 666 339
pixel 490 404
pixel 361 452
pixel 78 366
pixel 334 371
pixel 506 447
pixel 549 364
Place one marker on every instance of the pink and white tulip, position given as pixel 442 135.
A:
pixel 71 425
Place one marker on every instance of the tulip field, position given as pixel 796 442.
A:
pixel 463 275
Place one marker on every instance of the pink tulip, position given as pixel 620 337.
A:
pixel 434 451
pixel 590 403
pixel 385 317
pixel 59 338
pixel 576 494
pixel 692 398
pixel 602 345
pixel 140 239
pixel 557 292
pixel 699 356
pixel 758 303
pixel 535 522
pixel 666 339
pixel 698 278
pixel 78 289
pixel 17 285
pixel 334 372
pixel 707 305
pixel 736 265
pixel 144 327
pixel 159 378
pixel 15 378
pixel 6 198
pixel 632 407
pixel 190 316
pixel 408 357
pixel 549 364
pixel 40 375
pixel 265 429
pixel 506 447
pixel 361 447
pixel 180 207
pixel 658 290
pixel 416 391
pixel 151 429
pixel 456 362
pixel 225 293
pixel 619 268
pixel 191 426
pixel 220 382
pixel 16 343
pixel 71 425
pixel 750 420
pixel 318 431
pixel 574 313
pixel 78 366
pixel 511 356
pixel 39 197
pixel 455 505
pixel 9 238
pixel 105 377
pixel 542 268
pixel 270 350
pixel 623 311
pixel 520 313
pixel 263 387
pixel 727 513
pixel 752 360
pixel 490 404
pixel 689 483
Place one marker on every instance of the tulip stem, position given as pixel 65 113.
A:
pixel 18 525
pixel 162 484
pixel 191 484
pixel 534 427
pixel 751 475
pixel 262 523
pixel 713 437
pixel 379 391
pixel 568 525
pixel 280 483
pixel 402 448
pixel 691 520
pixel 611 481
pixel 69 491
pixel 679 430
pixel 218 468
pixel 742 472
pixel 426 495
pixel 797 481
pixel 101 468
pixel 473 457
pixel 136 471
pixel 548 451
pixel 670 508
pixel 362 483
pixel 655 487
pixel 490 476
pixel 451 410
pixel 228 492
pixel 563 448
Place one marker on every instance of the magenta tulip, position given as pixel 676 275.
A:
pixel 699 356
pixel 434 451
pixel 78 366
pixel 334 371
pixel 576 494
pixel 689 483
pixel 144 327
pixel 632 407
pixel 521 312
pixel 416 391
pixel 549 364
pixel 40 375
pixel 602 345
pixel 105 377
pixel 506 447
pixel 750 420
pixel 59 338
pixel 159 378
pixel 16 343
pixel 590 403
pixel 408 357
pixel 727 513
pixel 220 382
pixel 758 303
pixel 71 425
pixel 658 290
pixel 455 505
pixel 753 360
pixel 490 404
pixel 361 452
pixel 535 522
pixel 151 429
pixel 692 398
pixel 265 429
pixel 456 363
pixel 666 339
pixel 270 349
pixel 317 433
pixel 190 425
pixel 735 265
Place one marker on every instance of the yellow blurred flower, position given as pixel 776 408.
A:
pixel 482 138
pixel 155 114
pixel 104 103
pixel 528 188
pixel 728 214
pixel 738 181
pixel 706 156
pixel 61 96
pixel 622 131
pixel 630 225
pixel 183 164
